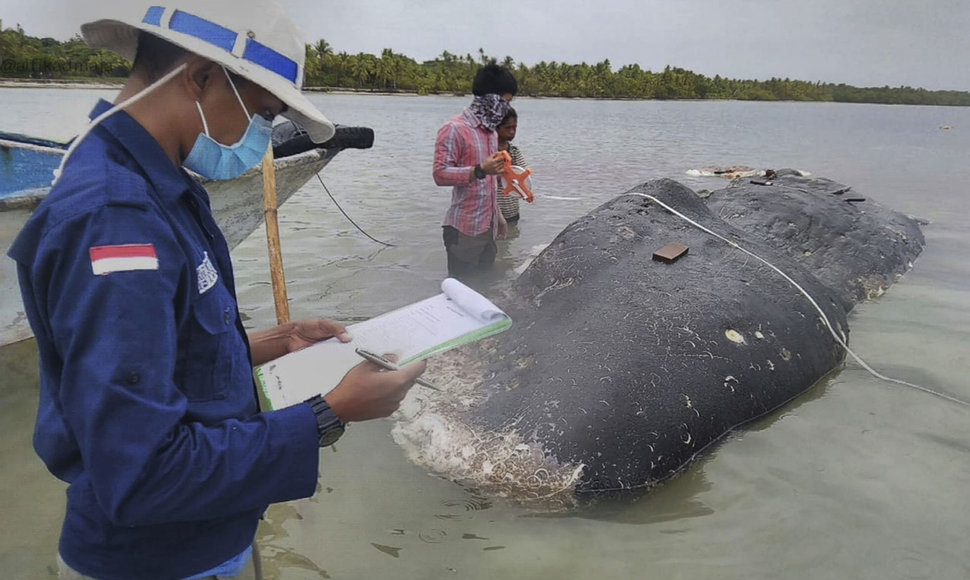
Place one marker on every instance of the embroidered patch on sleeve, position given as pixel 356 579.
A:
pixel 123 258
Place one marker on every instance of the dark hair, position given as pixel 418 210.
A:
pixel 510 115
pixel 155 56
pixel 494 79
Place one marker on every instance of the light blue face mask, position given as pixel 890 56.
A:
pixel 213 160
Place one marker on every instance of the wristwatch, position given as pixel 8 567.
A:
pixel 479 172
pixel 329 425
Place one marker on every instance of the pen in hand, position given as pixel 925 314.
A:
pixel 388 365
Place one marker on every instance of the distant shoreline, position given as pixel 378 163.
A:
pixel 7 83
pixel 106 84
pixel 17 83
pixel 11 83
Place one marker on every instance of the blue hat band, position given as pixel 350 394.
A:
pixel 225 39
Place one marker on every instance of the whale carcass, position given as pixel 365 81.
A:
pixel 621 368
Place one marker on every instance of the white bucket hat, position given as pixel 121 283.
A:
pixel 252 38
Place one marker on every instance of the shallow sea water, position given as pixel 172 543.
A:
pixel 857 478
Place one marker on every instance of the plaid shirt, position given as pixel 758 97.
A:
pixel 462 143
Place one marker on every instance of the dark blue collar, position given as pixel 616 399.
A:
pixel 168 180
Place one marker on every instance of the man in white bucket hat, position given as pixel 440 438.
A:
pixel 147 406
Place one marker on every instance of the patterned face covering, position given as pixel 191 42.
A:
pixel 490 109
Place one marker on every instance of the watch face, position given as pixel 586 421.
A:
pixel 331 435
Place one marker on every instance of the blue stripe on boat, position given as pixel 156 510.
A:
pixel 22 169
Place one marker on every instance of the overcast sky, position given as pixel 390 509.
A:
pixel 859 42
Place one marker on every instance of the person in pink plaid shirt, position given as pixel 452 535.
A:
pixel 466 157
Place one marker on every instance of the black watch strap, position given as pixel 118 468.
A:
pixel 479 172
pixel 329 425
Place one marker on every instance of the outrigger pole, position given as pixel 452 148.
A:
pixel 273 238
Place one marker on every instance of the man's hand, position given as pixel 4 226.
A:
pixel 503 226
pixel 368 392
pixel 494 164
pixel 303 333
pixel 273 343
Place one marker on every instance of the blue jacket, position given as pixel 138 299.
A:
pixel 148 407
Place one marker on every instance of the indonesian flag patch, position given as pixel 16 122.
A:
pixel 124 258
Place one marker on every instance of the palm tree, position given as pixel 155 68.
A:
pixel 362 67
pixel 385 68
pixel 311 67
pixel 323 48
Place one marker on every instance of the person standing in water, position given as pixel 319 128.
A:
pixel 148 409
pixel 509 204
pixel 466 158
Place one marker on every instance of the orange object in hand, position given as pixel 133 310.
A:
pixel 515 181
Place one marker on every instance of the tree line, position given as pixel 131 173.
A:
pixel 24 56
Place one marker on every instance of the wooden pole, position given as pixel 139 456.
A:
pixel 273 238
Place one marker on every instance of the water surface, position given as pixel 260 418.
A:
pixel 858 478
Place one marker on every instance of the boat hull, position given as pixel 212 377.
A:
pixel 237 205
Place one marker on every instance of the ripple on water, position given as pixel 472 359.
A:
pixel 432 536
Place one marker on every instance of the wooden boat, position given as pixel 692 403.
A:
pixel 27 163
